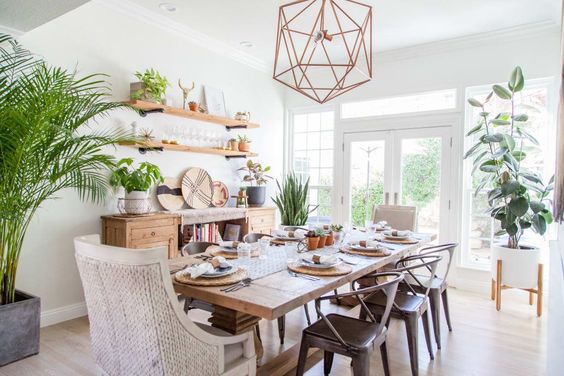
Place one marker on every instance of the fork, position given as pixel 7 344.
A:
pixel 304 276
pixel 239 285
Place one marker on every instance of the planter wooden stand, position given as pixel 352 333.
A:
pixel 497 286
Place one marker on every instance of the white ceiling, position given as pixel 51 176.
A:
pixel 397 24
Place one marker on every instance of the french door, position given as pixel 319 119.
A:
pixel 399 167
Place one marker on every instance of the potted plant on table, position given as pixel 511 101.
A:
pixel 136 182
pixel 312 240
pixel 517 196
pixel 151 87
pixel 291 200
pixel 244 143
pixel 256 174
pixel 45 149
pixel 322 237
pixel 337 232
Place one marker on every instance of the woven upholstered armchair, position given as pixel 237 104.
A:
pixel 137 326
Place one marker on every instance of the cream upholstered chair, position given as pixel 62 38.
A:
pixel 399 217
pixel 137 326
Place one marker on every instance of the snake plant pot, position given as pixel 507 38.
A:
pixel 519 267
pixel 256 195
pixel 19 328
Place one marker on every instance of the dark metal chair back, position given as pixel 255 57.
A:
pixel 389 288
pixel 438 250
pixel 254 237
pixel 193 248
pixel 411 264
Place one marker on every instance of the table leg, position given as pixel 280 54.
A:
pixel 235 322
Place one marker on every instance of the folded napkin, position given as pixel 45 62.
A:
pixel 368 243
pixel 397 233
pixel 321 259
pixel 298 234
pixel 229 244
pixel 209 266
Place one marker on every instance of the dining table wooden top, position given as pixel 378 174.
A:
pixel 276 294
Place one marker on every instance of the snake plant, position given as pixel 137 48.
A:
pixel 291 200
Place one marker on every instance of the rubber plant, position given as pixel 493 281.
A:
pixel 291 200
pixel 46 145
pixel 255 173
pixel 517 196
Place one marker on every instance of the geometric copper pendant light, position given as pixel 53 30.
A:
pixel 324 47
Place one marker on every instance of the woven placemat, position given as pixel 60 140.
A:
pixel 340 269
pixel 282 241
pixel 230 255
pixel 405 241
pixel 364 253
pixel 184 277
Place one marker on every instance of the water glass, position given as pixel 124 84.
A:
pixel 244 254
pixel 263 243
pixel 337 238
pixel 370 227
pixel 291 249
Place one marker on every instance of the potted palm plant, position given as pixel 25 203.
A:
pixel 45 149
pixel 136 182
pixel 256 174
pixel 291 200
pixel 517 196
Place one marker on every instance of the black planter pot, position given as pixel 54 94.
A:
pixel 19 328
pixel 256 196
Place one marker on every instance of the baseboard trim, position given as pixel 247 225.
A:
pixel 472 285
pixel 65 313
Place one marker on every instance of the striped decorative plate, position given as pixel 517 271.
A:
pixel 169 194
pixel 220 194
pixel 197 188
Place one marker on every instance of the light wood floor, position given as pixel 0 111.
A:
pixel 484 342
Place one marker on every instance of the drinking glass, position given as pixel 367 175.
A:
pixel 370 227
pixel 291 251
pixel 244 254
pixel 337 238
pixel 264 243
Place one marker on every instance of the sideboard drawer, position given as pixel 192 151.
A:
pixel 151 234
pixel 261 230
pixel 262 220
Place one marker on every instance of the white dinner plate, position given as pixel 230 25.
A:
pixel 311 264
pixel 220 272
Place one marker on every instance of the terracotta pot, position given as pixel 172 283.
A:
pixel 312 243
pixel 193 106
pixel 321 243
pixel 244 146
pixel 329 240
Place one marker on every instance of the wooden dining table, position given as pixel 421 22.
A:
pixel 277 294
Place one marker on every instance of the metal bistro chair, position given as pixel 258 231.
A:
pixel 189 249
pixel 438 286
pixel 253 238
pixel 409 305
pixel 348 336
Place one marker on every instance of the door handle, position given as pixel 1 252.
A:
pixel 387 198
pixel 395 198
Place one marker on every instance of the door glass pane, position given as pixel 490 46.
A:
pixel 421 180
pixel 367 178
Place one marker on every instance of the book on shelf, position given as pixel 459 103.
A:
pixel 204 232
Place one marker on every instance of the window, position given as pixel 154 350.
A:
pixel 429 101
pixel 312 157
pixel 478 228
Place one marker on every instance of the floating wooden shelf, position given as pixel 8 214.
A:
pixel 148 107
pixel 159 146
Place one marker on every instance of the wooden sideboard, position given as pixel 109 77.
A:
pixel 160 229
pixel 260 220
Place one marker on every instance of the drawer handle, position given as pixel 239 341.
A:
pixel 153 233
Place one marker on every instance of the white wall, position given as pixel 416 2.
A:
pixel 95 38
pixel 460 63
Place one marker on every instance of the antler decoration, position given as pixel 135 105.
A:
pixel 185 92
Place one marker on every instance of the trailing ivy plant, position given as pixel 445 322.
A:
pixel 517 197
pixel 155 86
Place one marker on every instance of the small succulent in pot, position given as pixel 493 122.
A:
pixel 312 240
pixel 337 228
pixel 244 143
pixel 193 106
pixel 322 237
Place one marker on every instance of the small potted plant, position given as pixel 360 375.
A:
pixel 193 106
pixel 151 87
pixel 337 232
pixel 234 144
pixel 256 174
pixel 244 143
pixel 291 200
pixel 329 240
pixel 312 240
pixel 136 182
pixel 322 237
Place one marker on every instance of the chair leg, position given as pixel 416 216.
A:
pixel 281 328
pixel 425 318
pixel 435 300
pixel 498 286
pixel 338 300
pixel 362 314
pixel 384 354
pixel 539 291
pixel 412 342
pixel 361 364
pixel 304 347
pixel 444 298
pixel 306 310
pixel 493 289
pixel 187 303
pixel 327 362
pixel 257 330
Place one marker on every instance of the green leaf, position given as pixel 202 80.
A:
pixel 476 129
pixel 511 162
pixel 508 142
pixel 509 187
pixel 516 81
pixel 521 117
pixel 518 155
pixel 512 229
pixel 499 153
pixel 547 215
pixel 489 166
pixel 474 102
pixel 539 224
pixel 536 206
pixel 499 122
pixel 493 195
pixel 531 177
pixel 496 137
pixel 519 206
pixel 524 224
pixel 501 92
pixel 473 150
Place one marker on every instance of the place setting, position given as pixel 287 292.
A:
pixel 371 248
pixel 217 271
pixel 280 237
pixel 316 264
pixel 398 237
pixel 234 249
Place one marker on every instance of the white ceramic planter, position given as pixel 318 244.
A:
pixel 137 202
pixel 519 266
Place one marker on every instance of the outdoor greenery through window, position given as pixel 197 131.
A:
pixel 478 227
pixel 312 157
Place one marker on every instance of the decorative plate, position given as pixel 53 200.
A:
pixel 220 194
pixel 197 188
pixel 169 194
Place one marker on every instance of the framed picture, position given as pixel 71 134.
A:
pixel 231 232
pixel 215 102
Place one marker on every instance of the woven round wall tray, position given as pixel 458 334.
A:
pixel 340 269
pixel 184 277
pixel 197 188
pixel 229 255
pixel 364 253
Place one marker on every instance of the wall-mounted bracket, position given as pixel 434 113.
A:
pixel 230 127
pixel 228 157
pixel 145 150
pixel 144 113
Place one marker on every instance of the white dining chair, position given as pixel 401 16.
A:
pixel 137 325
pixel 397 216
